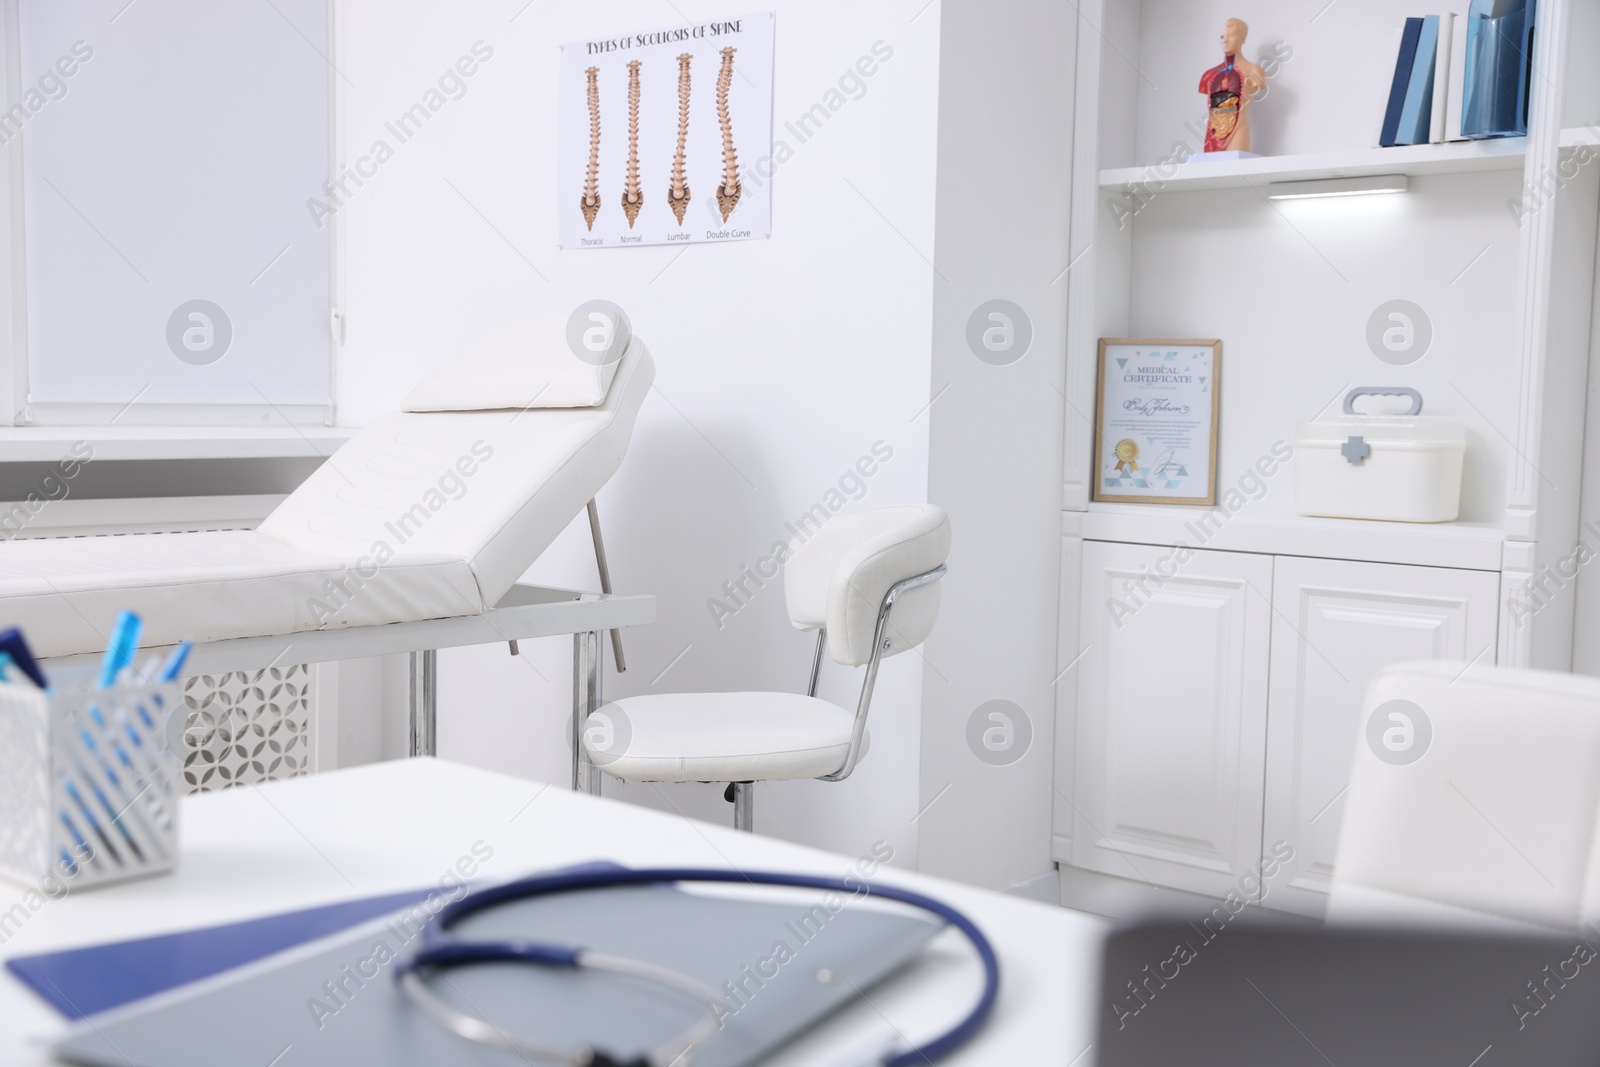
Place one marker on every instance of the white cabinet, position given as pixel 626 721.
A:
pixel 1335 623
pixel 1171 723
pixel 1218 703
pixel 1510 301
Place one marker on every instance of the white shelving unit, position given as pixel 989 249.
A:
pixel 1459 157
pixel 1577 136
pixel 1213 672
pixel 1466 545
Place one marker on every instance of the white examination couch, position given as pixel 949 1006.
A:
pixel 409 538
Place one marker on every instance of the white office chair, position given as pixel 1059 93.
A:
pixel 1494 825
pixel 866 583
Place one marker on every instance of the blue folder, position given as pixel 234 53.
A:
pixel 1402 80
pixel 1495 82
pixel 83 981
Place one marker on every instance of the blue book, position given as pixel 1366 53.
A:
pixel 1418 109
pixel 1402 78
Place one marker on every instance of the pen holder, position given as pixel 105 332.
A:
pixel 89 783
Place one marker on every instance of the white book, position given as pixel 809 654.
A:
pixel 1458 74
pixel 1443 68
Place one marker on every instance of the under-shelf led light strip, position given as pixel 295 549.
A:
pixel 1323 187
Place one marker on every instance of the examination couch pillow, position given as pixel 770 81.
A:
pixel 544 361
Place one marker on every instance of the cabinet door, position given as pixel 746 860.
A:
pixel 1335 623
pixel 1171 715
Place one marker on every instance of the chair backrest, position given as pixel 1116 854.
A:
pixel 1473 801
pixel 838 573
pixel 493 488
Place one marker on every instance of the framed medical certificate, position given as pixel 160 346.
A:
pixel 1156 412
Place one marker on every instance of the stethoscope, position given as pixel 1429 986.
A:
pixel 439 952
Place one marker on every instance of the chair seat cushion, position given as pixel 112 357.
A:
pixel 719 737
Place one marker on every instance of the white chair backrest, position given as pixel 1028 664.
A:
pixel 1493 824
pixel 493 488
pixel 837 574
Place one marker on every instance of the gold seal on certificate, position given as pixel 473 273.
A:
pixel 1156 421
pixel 1128 456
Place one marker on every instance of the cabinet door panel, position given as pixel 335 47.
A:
pixel 1171 715
pixel 1335 624
pixel 1068 648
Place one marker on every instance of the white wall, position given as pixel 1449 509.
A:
pixel 1586 591
pixel 1582 108
pixel 1315 270
pixel 779 362
pixel 1005 153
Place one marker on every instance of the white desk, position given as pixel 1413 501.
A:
pixel 396 826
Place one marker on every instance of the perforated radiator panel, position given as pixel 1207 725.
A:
pixel 246 727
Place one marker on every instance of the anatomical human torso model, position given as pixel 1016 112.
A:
pixel 1228 88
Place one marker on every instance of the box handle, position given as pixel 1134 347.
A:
pixel 1380 390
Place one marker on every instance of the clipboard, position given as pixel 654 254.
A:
pixel 782 964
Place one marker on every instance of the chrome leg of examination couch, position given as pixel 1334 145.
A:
pixel 588 670
pixel 588 694
pixel 425 702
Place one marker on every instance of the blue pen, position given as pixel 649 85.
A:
pixel 120 650
pixel 14 645
pixel 94 824
pixel 168 672
pixel 151 798
pixel 145 675
pixel 88 739
pixel 174 664
pixel 151 757
pixel 110 772
pixel 112 813
pixel 82 847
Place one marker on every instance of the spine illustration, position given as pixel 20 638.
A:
pixel 678 191
pixel 590 204
pixel 632 195
pixel 728 191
